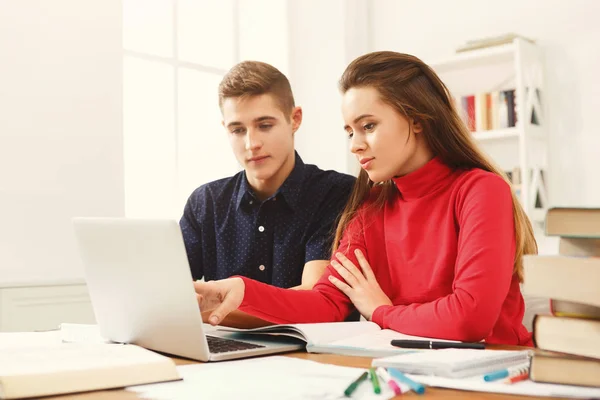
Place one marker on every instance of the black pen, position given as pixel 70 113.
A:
pixel 431 344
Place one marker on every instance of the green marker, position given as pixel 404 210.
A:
pixel 374 381
pixel 350 389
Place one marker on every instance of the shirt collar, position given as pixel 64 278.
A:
pixel 424 180
pixel 290 190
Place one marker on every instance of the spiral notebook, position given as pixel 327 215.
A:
pixel 454 363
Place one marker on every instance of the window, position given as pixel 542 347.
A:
pixel 175 55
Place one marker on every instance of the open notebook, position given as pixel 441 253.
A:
pixel 348 338
pixel 454 363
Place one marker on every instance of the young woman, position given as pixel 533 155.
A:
pixel 432 239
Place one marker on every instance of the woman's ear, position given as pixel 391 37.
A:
pixel 416 126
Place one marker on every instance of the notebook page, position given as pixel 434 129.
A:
pixel 454 362
pixel 378 340
pixel 314 334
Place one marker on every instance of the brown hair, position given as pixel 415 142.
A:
pixel 253 78
pixel 416 92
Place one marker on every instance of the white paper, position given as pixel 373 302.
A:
pixel 268 377
pixel 524 387
pixel 11 340
pixel 81 333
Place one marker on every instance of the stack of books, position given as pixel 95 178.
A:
pixel 572 281
pixel 491 111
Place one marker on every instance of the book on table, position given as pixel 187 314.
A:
pixel 577 336
pixel 565 369
pixel 33 372
pixel 346 338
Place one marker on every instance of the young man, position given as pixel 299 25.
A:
pixel 274 221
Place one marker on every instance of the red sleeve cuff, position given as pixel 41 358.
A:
pixel 378 315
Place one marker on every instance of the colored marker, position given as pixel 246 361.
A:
pixel 374 381
pixel 352 387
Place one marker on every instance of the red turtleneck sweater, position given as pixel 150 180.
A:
pixel 443 251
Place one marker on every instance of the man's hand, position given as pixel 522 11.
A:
pixel 223 296
pixel 360 287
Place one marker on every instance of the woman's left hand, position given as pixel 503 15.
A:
pixel 360 287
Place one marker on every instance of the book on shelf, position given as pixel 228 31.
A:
pixel 363 338
pixel 580 247
pixel 454 363
pixel 566 278
pixel 488 111
pixel 573 222
pixel 562 308
pixel 552 368
pixel 490 42
pixel 33 372
pixel 575 336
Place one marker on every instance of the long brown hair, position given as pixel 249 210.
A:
pixel 416 92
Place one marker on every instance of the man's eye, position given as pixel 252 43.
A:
pixel 266 126
pixel 350 134
pixel 237 131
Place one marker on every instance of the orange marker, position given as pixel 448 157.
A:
pixel 517 378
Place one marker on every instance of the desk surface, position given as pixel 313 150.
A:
pixel 359 362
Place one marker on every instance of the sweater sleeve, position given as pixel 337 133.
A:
pixel 482 272
pixel 324 303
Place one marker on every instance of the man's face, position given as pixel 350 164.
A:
pixel 261 136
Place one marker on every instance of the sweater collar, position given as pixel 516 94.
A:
pixel 424 180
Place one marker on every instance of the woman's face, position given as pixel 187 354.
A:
pixel 385 143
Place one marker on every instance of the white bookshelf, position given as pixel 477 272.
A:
pixel 517 65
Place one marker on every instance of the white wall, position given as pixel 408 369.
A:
pixel 60 130
pixel 567 31
pixel 324 37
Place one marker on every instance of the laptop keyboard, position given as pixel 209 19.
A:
pixel 222 345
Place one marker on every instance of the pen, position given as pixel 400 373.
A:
pixel 388 379
pixel 506 372
pixel 518 378
pixel 416 386
pixel 352 387
pixel 431 344
pixel 374 381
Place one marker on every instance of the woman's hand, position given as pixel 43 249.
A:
pixel 223 296
pixel 360 287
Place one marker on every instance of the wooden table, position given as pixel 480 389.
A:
pixel 359 362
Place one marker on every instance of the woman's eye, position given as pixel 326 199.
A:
pixel 350 134
pixel 369 127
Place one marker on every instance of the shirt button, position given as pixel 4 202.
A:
pixel 261 228
pixel 250 202
pixel 262 267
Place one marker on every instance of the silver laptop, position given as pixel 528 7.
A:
pixel 142 292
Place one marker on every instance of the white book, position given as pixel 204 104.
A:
pixel 363 338
pixel 44 370
pixel 454 363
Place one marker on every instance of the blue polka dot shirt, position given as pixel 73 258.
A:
pixel 228 231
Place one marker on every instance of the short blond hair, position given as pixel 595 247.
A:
pixel 254 78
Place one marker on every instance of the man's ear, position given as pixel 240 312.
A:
pixel 296 118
